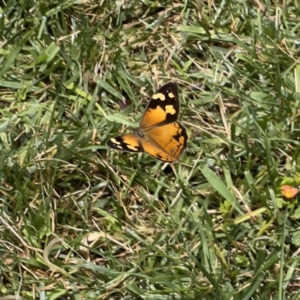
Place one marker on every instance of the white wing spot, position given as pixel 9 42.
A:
pixel 170 109
pixel 113 140
pixel 159 96
pixel 133 148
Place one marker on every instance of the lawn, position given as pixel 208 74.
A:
pixel 79 220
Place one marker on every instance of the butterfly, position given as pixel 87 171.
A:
pixel 160 135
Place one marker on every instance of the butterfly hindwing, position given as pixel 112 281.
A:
pixel 163 108
pixel 166 142
pixel 170 138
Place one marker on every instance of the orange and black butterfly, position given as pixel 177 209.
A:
pixel 160 134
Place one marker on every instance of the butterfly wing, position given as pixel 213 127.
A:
pixel 127 142
pixel 160 136
pixel 166 143
pixel 163 108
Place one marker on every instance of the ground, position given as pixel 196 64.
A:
pixel 81 221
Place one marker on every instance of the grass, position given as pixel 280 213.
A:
pixel 80 221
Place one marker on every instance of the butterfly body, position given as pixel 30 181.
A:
pixel 160 134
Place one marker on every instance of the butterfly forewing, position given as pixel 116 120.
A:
pixel 127 142
pixel 163 108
